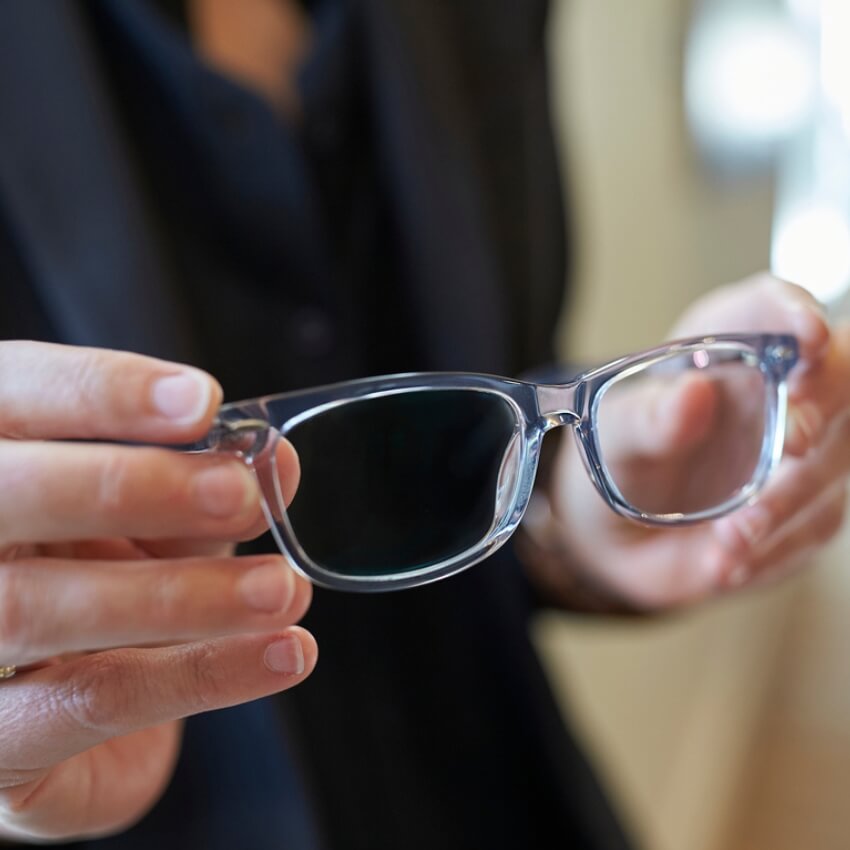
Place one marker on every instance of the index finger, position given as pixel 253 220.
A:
pixel 59 391
pixel 761 304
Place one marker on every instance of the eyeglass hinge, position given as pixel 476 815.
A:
pixel 246 437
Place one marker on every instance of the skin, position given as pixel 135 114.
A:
pixel 259 43
pixel 120 598
pixel 104 548
pixel 801 508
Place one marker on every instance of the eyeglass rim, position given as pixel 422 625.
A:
pixel 286 409
pixel 776 398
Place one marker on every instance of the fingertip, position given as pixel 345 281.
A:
pixel 309 647
pixel 292 653
pixel 715 564
pixel 724 560
pixel 183 401
pixel 741 532
pixel 810 325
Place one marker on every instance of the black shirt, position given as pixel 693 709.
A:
pixel 428 721
pixel 250 203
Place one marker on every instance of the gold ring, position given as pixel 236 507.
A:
pixel 8 671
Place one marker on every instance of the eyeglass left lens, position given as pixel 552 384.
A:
pixel 686 435
pixel 400 482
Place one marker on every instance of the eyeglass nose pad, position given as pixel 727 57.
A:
pixel 506 482
pixel 249 438
pixel 255 441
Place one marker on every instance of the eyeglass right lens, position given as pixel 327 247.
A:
pixel 398 483
pixel 685 435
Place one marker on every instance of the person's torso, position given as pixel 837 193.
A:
pixel 413 222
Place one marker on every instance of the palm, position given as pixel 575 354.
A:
pixel 651 566
pixel 110 785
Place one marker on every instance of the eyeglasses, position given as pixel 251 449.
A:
pixel 409 478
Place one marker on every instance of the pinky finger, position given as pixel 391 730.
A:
pixel 53 713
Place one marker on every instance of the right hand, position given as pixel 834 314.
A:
pixel 120 600
pixel 662 451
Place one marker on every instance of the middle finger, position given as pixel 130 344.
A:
pixel 66 491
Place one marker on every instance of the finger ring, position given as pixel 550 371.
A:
pixel 8 671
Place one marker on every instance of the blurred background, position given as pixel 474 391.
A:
pixel 704 141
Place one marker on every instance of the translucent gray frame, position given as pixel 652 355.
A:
pixel 252 428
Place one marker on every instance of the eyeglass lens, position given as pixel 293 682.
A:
pixel 399 482
pixel 684 435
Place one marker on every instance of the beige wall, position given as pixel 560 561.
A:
pixel 655 229
pixel 670 708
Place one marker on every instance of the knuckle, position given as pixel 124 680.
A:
pixel 145 483
pixel 167 597
pixel 102 692
pixel 202 679
pixel 87 378
pixel 114 477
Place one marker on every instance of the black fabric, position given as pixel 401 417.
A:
pixel 428 722
pixel 80 226
pixel 233 788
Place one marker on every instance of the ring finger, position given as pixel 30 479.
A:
pixel 101 604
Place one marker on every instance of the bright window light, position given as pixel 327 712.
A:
pixel 812 248
pixel 835 56
pixel 750 79
pixel 806 11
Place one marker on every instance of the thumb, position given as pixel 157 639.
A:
pixel 760 304
pixel 656 417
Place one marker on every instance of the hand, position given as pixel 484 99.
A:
pixel 801 508
pixel 120 600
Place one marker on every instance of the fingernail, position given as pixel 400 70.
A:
pixel 713 564
pixel 738 576
pixel 226 490
pixel 743 530
pixel 285 656
pixel 268 587
pixel 182 398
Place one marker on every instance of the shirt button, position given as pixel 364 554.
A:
pixel 311 332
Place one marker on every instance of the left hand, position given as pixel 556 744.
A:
pixel 801 508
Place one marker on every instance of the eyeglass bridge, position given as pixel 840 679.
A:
pixel 557 404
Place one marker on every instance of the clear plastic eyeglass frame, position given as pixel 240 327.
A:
pixel 252 428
